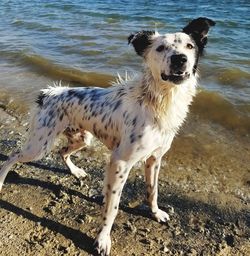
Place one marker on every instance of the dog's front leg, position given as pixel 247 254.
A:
pixel 117 173
pixel 152 169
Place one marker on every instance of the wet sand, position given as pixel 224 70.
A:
pixel 204 185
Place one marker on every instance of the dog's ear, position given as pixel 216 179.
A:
pixel 198 30
pixel 141 40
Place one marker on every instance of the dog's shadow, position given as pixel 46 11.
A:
pixel 80 239
pixel 39 165
pixel 182 205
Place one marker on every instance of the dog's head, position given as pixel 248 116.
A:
pixel 173 57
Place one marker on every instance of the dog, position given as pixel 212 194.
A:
pixel 136 118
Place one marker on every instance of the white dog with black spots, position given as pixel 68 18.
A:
pixel 136 118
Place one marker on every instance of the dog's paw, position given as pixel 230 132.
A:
pixel 103 245
pixel 78 172
pixel 161 216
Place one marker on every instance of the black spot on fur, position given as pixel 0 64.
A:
pixel 141 41
pixel 132 138
pixel 80 95
pixel 134 121
pixel 104 117
pixel 40 98
pixel 71 92
pixel 117 105
pixel 61 116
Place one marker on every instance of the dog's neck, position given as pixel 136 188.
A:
pixel 168 101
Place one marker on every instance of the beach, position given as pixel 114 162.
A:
pixel 204 181
pixel 204 186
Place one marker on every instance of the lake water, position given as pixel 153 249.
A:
pixel 85 43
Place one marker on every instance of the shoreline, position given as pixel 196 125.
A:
pixel 204 184
pixel 209 106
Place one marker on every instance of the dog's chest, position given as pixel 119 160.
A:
pixel 176 109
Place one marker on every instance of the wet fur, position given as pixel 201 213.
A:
pixel 136 118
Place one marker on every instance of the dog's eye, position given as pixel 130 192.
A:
pixel 160 48
pixel 190 46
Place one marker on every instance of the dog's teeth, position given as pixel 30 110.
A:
pixel 179 73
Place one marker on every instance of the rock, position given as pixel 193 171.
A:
pixel 221 246
pixel 230 240
pixel 82 218
pixel 165 249
pixel 93 192
pixel 170 209
pixel 145 230
pixel 130 227
pixel 192 252
pixel 29 208
pixel 145 241
pixel 177 232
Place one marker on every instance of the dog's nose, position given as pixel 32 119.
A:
pixel 178 60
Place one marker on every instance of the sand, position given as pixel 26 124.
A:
pixel 204 186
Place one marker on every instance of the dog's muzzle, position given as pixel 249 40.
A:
pixel 175 78
pixel 177 69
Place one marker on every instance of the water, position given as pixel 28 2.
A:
pixel 85 42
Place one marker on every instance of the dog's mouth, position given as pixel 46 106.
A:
pixel 175 78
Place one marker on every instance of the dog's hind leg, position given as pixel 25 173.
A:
pixel 76 142
pixel 6 168
pixel 35 149
pixel 39 143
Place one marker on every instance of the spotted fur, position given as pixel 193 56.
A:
pixel 136 118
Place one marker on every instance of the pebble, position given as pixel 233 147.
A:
pixel 29 208
pixel 145 241
pixel 81 218
pixel 93 192
pixel 145 230
pixel 164 249
pixel 192 252
pixel 84 218
pixel 176 232
pixel 130 227
pixel 170 209
pixel 230 240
